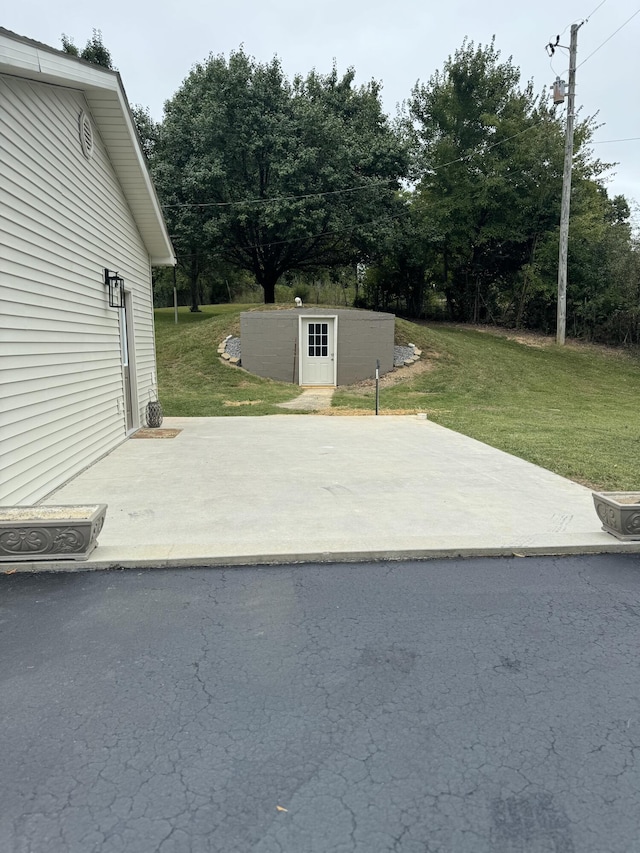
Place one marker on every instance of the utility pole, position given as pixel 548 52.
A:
pixel 566 190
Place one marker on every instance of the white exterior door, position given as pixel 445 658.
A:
pixel 317 351
pixel 125 334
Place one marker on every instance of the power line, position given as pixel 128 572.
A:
pixel 582 21
pixel 609 38
pixel 327 233
pixel 372 185
pixel 628 139
pixel 307 237
pixel 557 46
pixel 595 10
pixel 488 147
pixel 379 218
pixel 369 186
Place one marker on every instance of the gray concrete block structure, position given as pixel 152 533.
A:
pixel 317 346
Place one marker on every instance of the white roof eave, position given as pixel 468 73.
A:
pixel 102 88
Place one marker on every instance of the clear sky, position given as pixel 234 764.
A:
pixel 154 44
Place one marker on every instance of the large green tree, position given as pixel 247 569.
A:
pixel 481 226
pixel 94 50
pixel 398 276
pixel 488 165
pixel 603 293
pixel 147 129
pixel 272 175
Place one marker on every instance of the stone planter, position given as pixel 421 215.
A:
pixel 619 513
pixel 49 532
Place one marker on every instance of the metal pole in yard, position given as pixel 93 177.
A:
pixel 377 385
pixel 175 297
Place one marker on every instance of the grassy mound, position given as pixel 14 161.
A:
pixel 192 379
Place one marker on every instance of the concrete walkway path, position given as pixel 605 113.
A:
pixel 311 400
pixel 312 488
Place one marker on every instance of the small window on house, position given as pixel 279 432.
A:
pixel 86 135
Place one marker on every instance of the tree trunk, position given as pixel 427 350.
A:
pixel 193 285
pixel 522 300
pixel 476 302
pixel 269 287
pixel 525 283
pixel 448 292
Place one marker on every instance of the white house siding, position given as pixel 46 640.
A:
pixel 63 219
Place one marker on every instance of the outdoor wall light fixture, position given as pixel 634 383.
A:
pixel 115 283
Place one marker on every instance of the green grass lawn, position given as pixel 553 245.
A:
pixel 192 379
pixel 574 410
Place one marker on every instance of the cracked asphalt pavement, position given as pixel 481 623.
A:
pixel 481 705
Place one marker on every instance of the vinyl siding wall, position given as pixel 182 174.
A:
pixel 63 219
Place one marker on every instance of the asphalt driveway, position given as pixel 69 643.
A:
pixel 479 706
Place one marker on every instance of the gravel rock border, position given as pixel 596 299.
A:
pixel 402 356
pixel 233 347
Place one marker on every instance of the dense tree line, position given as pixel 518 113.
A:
pixel 480 242
pixel 452 210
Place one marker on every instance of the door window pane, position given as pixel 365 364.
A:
pixel 318 340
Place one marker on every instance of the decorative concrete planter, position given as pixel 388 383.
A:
pixel 49 532
pixel 619 513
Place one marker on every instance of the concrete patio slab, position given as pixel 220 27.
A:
pixel 301 488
